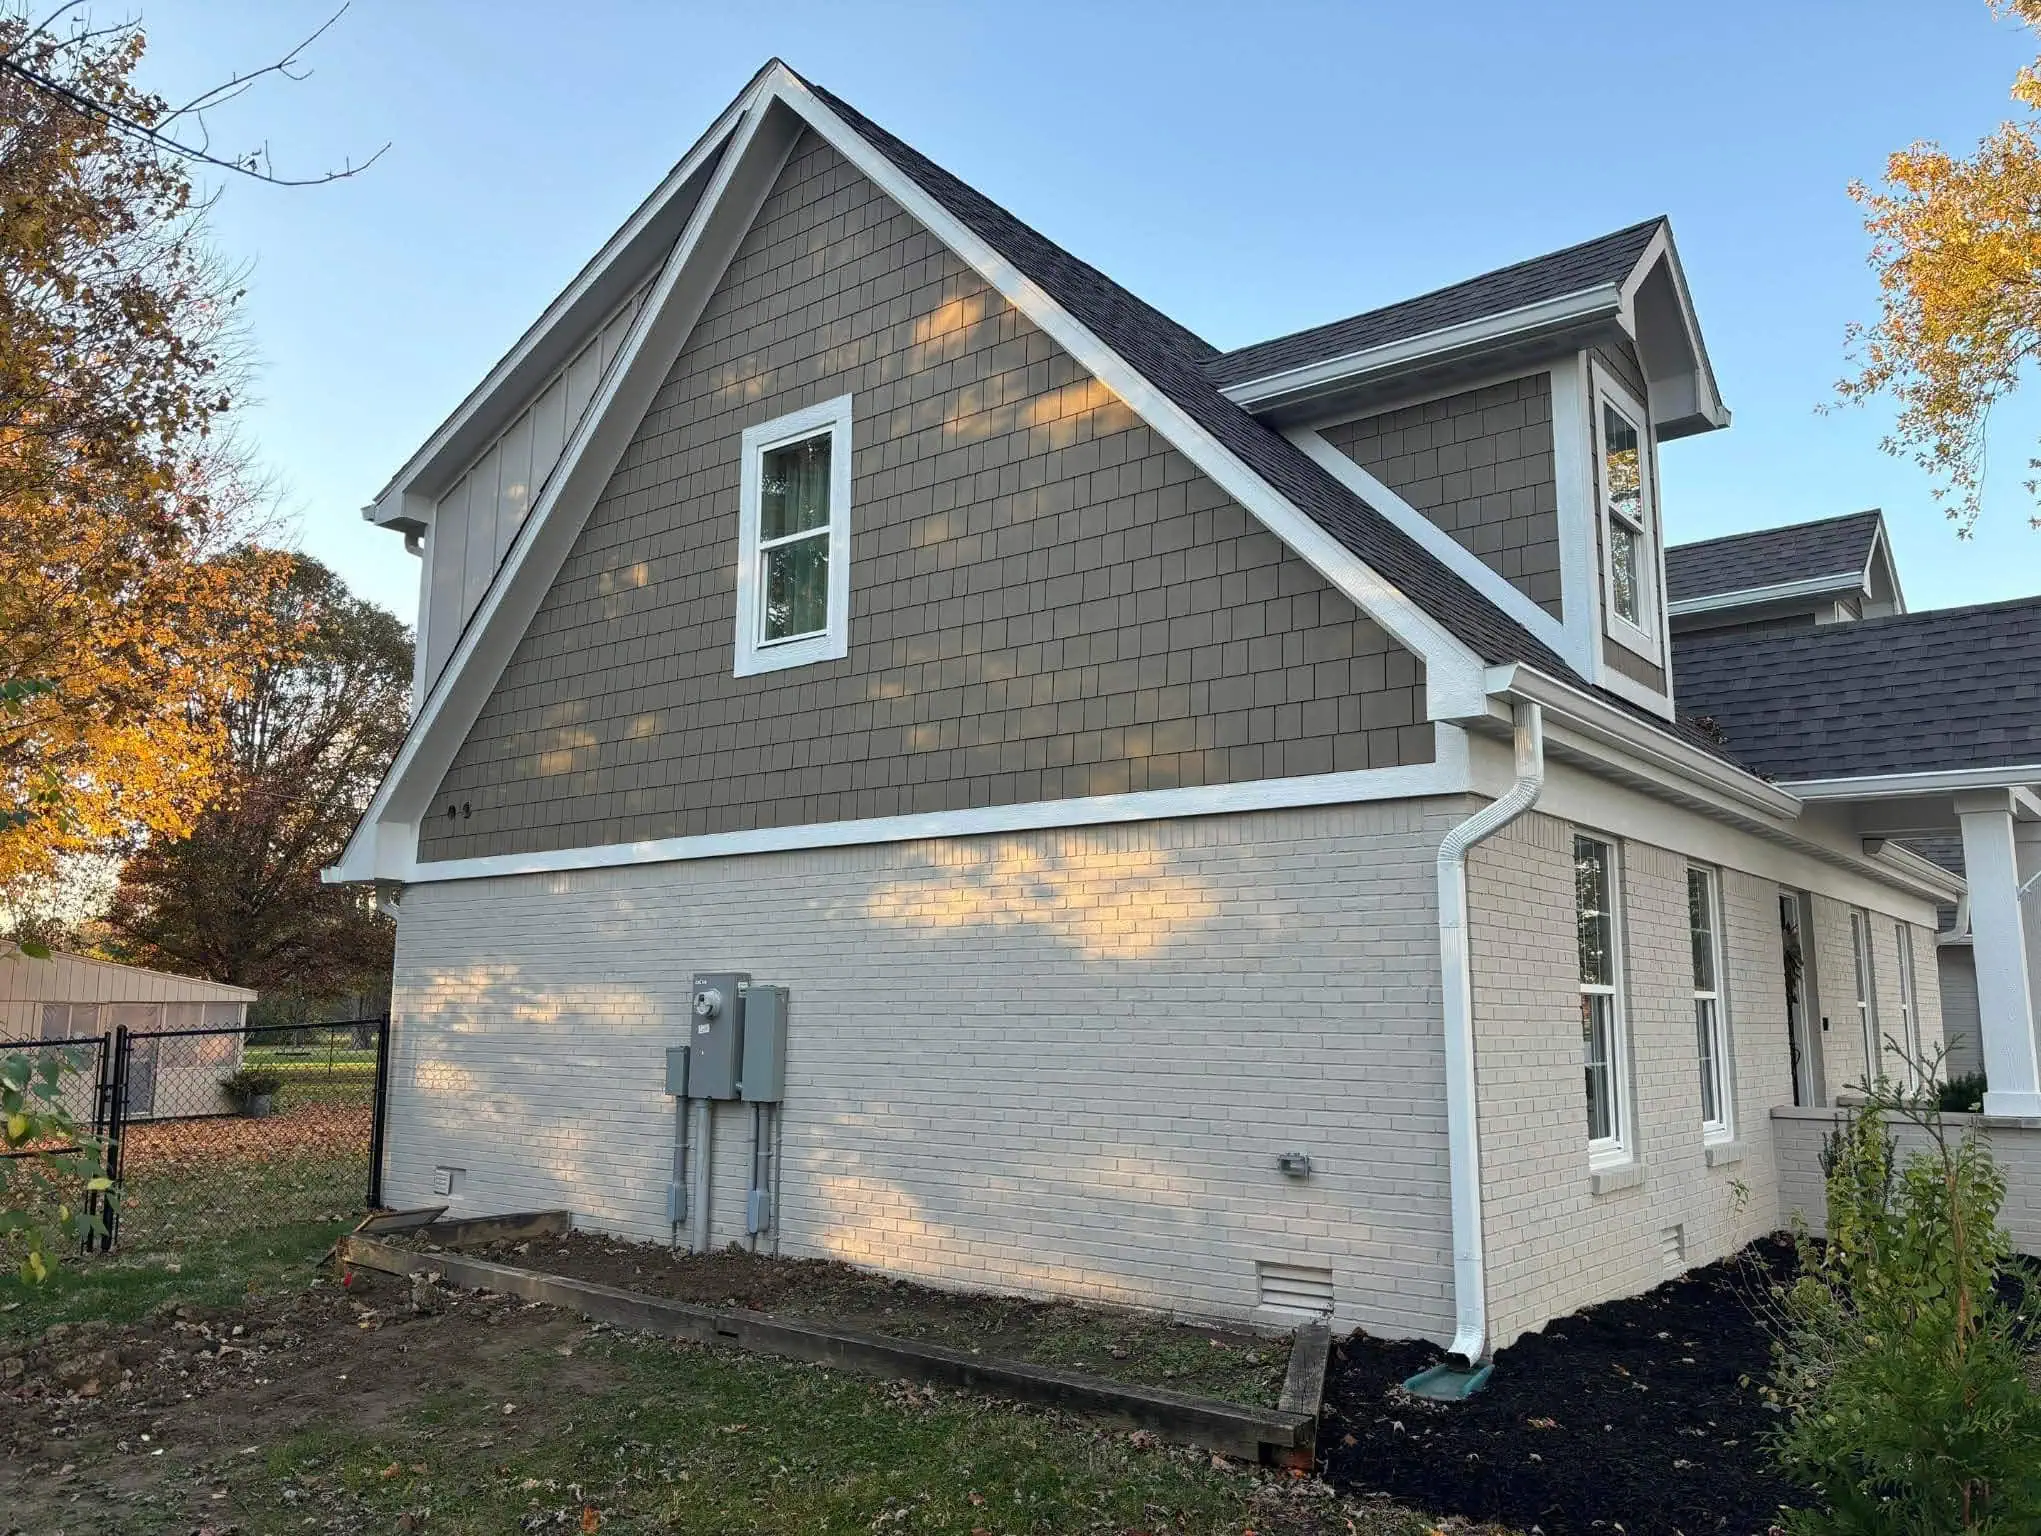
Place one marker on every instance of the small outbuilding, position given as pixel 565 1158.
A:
pixel 75 997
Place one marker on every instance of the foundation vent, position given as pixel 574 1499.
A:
pixel 1672 1248
pixel 1298 1288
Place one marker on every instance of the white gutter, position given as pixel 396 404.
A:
pixel 1463 1134
pixel 1744 597
pixel 1602 300
pixel 1933 781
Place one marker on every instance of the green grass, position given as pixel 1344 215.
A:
pixel 691 1440
pixel 180 1209
pixel 216 1271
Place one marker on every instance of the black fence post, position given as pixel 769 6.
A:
pixel 378 1109
pixel 116 1122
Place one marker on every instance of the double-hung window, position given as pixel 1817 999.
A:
pixel 1601 1004
pixel 1704 925
pixel 1867 992
pixel 1628 496
pixel 1909 1008
pixel 793 545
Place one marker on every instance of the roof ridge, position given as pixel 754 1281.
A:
pixel 1505 270
pixel 1752 533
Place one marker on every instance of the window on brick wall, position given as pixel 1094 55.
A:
pixel 1595 884
pixel 1909 1005
pixel 1867 990
pixel 793 556
pixel 1711 1038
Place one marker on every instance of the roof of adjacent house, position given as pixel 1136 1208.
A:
pixel 1945 689
pixel 1607 259
pixel 1771 557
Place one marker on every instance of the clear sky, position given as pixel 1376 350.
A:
pixel 1250 168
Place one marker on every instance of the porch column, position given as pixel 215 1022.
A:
pixel 2005 992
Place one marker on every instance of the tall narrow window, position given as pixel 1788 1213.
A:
pixel 793 570
pixel 1909 1009
pixel 1623 472
pixel 1867 999
pixel 1704 927
pixel 1601 1011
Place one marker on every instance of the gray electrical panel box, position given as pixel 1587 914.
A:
pixel 676 1071
pixel 763 1079
pixel 716 1034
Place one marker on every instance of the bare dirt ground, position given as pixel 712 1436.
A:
pixel 1113 1342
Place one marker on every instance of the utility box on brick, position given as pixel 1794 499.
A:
pixel 764 1076
pixel 716 1036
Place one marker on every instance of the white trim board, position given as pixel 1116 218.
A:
pixel 1807 586
pixel 1447 776
pixel 1932 781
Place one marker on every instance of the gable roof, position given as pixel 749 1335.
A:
pixel 1607 260
pixel 1838 547
pixel 1947 689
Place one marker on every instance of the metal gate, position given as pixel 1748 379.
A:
pixel 218 1130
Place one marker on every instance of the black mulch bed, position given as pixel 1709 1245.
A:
pixel 1640 1415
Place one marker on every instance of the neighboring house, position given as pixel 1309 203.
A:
pixel 74 997
pixel 1223 817
pixel 1922 727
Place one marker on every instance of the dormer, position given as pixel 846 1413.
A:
pixel 1831 571
pixel 1510 424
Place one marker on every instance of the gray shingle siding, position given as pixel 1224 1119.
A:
pixel 1479 465
pixel 1047 600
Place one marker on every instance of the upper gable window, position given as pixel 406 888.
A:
pixel 793 545
pixel 1629 515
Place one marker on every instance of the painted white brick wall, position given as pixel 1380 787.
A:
pixel 1055 1063
pixel 1554 1244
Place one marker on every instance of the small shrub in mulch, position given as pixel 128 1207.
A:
pixel 1641 1415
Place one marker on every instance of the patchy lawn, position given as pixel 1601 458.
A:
pixel 305 1408
pixel 1136 1347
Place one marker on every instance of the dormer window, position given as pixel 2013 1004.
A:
pixel 1628 517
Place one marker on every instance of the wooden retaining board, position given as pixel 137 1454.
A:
pixel 1283 1436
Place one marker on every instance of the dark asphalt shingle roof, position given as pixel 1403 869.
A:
pixel 1947 688
pixel 1606 259
pixel 1768 557
pixel 1171 358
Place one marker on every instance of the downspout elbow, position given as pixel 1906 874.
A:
pixel 1470 1298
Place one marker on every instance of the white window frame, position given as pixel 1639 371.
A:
pixel 1711 1013
pixel 1603 1151
pixel 754 653
pixel 1865 974
pixel 1641 637
pixel 1909 1004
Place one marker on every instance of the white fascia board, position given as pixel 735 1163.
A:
pixel 1923 873
pixel 1448 775
pixel 1603 301
pixel 385 840
pixel 446 453
pixel 1881 544
pixel 1604 723
pixel 1933 781
pixel 1453 671
pixel 1782 591
pixel 1708 402
pixel 1439 544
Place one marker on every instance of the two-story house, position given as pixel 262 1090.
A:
pixel 1224 819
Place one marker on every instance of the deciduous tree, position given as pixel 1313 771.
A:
pixel 238 898
pixel 1956 244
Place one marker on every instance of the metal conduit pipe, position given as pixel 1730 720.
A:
pixel 1463 1136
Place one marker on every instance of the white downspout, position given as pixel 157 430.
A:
pixel 1463 1135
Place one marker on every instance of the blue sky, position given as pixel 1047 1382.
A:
pixel 1250 168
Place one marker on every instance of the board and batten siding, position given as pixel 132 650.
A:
pixel 474 522
pixel 1479 464
pixel 1059 1063
pixel 1047 600
pixel 26 984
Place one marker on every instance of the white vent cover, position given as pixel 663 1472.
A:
pixel 1299 1288
pixel 1672 1245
